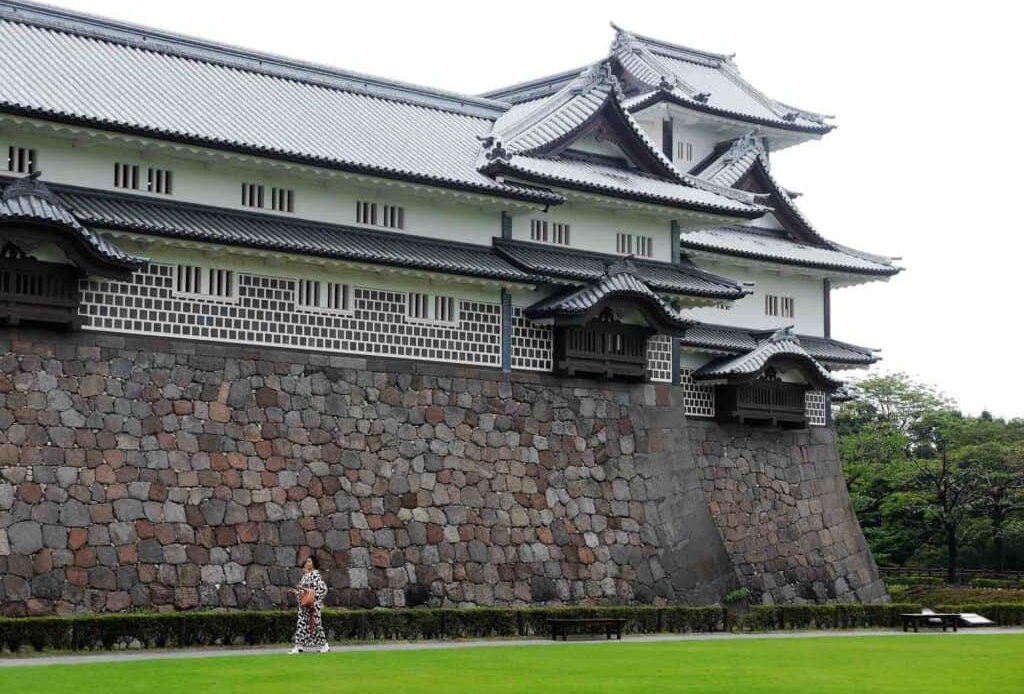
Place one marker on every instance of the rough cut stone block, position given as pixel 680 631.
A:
pixel 25 537
pixel 173 475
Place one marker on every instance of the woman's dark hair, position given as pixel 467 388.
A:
pixel 316 564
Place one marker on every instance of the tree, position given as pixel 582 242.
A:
pixel 942 481
pixel 998 456
pixel 896 399
pixel 875 444
pixel 925 480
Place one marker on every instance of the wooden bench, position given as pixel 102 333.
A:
pixel 945 619
pixel 562 627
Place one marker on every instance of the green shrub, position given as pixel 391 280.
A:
pixel 992 583
pixel 186 629
pixel 836 616
pixel 736 595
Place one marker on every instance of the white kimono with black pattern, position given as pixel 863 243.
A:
pixel 309 633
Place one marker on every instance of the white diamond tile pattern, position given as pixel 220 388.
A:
pixel 659 358
pixel 265 313
pixel 532 345
pixel 814 408
pixel 698 399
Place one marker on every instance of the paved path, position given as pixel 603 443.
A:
pixel 221 652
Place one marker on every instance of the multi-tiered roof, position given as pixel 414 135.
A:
pixel 514 145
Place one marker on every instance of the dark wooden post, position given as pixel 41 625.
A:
pixel 506 331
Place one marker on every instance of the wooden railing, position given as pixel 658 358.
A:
pixel 610 350
pixel 38 291
pixel 774 402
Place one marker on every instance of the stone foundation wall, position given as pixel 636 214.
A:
pixel 780 504
pixel 143 473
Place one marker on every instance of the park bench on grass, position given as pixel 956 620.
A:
pixel 930 617
pixel 971 619
pixel 609 625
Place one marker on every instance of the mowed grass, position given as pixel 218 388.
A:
pixel 939 663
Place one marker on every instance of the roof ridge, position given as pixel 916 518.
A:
pixel 678 48
pixel 249 60
pixel 551 82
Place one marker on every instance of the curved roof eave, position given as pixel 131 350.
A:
pixel 659 95
pixel 507 167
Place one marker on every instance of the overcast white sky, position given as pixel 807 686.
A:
pixel 924 164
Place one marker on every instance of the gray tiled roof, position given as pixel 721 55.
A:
pixel 586 266
pixel 802 244
pixel 570 172
pixel 28 200
pixel 541 127
pixel 728 168
pixel 125 212
pixel 705 82
pixel 723 338
pixel 165 93
pixel 526 128
pixel 618 282
pixel 775 245
pixel 783 343
pixel 661 70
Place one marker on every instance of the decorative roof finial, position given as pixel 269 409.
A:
pixel 30 186
pixel 494 148
pixel 620 265
pixel 783 334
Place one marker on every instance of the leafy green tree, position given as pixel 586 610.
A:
pixel 875 445
pixel 927 481
pixel 942 482
pixel 1000 466
pixel 895 399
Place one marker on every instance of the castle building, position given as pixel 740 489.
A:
pixel 619 223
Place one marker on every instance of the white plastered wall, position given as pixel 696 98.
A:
pixel 219 184
pixel 594 229
pixel 749 312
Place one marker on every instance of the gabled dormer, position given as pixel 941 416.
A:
pixel 705 90
pixel 581 137
pixel 783 235
pixel 583 117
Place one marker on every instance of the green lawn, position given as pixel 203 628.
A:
pixel 940 663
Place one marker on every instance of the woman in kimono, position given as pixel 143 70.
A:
pixel 309 633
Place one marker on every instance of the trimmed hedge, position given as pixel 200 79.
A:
pixel 186 629
pixel 993 583
pixel 915 580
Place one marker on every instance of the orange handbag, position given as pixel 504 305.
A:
pixel 307 598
